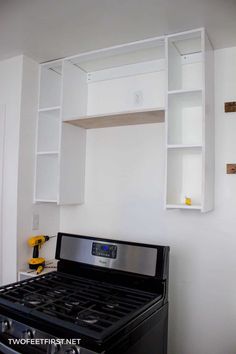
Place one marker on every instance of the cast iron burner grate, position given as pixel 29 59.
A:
pixel 83 305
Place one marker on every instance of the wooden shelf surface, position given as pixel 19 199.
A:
pixel 147 116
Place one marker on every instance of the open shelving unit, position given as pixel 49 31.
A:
pixel 159 80
pixel 122 85
pixel 56 145
pixel 189 124
pixel 48 133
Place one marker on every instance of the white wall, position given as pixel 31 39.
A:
pixel 10 94
pixel 2 156
pixel 124 200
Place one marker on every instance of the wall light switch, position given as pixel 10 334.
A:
pixel 231 168
pixel 35 223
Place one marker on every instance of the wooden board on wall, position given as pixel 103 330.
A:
pixel 230 107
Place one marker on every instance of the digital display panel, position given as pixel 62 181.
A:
pixel 104 250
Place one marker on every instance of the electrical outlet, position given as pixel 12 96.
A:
pixel 138 98
pixel 35 222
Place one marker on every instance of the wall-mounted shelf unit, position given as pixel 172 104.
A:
pixel 59 174
pixel 122 85
pixel 167 79
pixel 189 121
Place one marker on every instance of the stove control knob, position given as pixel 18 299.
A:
pixel 73 350
pixel 28 334
pixel 5 326
pixel 54 348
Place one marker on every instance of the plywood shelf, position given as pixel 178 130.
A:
pixel 147 116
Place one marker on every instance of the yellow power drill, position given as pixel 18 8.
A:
pixel 36 242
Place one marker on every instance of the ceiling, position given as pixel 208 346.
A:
pixel 50 29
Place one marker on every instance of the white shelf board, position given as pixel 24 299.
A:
pixel 120 55
pixel 177 92
pixel 52 64
pixel 184 146
pixel 141 116
pixel 48 109
pixel 118 72
pixel 183 206
pixel 45 201
pixel 47 153
pixel 187 42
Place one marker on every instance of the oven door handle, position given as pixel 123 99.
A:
pixel 7 350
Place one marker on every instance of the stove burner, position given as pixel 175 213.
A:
pixel 72 303
pixel 59 291
pixel 33 299
pixel 112 305
pixel 56 292
pixel 88 318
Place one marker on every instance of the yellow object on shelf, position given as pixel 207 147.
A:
pixel 188 201
pixel 39 269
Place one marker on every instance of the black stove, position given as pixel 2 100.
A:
pixel 105 297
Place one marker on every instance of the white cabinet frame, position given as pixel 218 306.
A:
pixel 167 78
pixel 193 103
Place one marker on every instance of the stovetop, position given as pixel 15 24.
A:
pixel 86 306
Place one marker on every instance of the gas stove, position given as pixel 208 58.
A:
pixel 106 296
